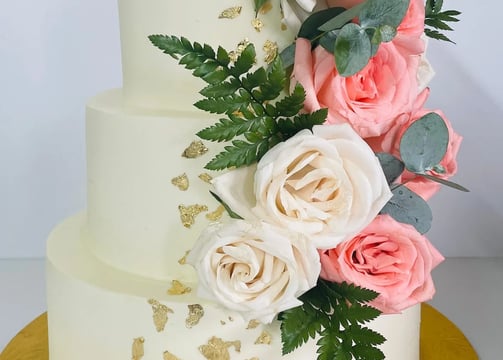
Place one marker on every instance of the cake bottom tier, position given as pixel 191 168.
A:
pixel 98 312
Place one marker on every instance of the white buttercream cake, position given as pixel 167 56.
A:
pixel 117 282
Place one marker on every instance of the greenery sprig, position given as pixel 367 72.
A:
pixel 336 313
pixel 257 113
pixel 436 19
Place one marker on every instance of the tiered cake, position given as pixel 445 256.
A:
pixel 117 283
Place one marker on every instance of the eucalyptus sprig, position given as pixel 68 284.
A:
pixel 353 44
pixel 437 19
pixel 336 313
pixel 258 115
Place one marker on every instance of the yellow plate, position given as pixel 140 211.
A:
pixel 440 340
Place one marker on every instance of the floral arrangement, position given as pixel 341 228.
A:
pixel 326 185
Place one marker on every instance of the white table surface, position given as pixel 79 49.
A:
pixel 469 292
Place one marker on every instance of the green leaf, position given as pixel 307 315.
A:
pixel 223 105
pixel 365 336
pixel 329 345
pixel 310 28
pixel 291 105
pixel 367 352
pixel 352 293
pixel 409 208
pixel 343 18
pixel 444 182
pixel 287 56
pixel 221 89
pixel 231 213
pixel 361 314
pixel 226 129
pixel 391 166
pixel 352 50
pixel 298 325
pixel 244 62
pixel 241 153
pixel 424 143
pixel 383 12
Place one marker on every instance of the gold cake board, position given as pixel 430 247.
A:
pixel 440 340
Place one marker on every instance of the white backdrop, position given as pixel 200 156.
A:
pixel 55 54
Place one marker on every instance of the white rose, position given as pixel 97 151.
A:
pixel 327 184
pixel 256 269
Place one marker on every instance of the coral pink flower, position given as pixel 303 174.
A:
pixel 388 257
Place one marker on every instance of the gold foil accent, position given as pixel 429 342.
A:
pixel 137 348
pixel 206 177
pixel 231 13
pixel 160 314
pixel 183 260
pixel 253 358
pixel 181 182
pixel 257 24
pixel 177 288
pixel 264 338
pixel 196 312
pixel 195 149
pixel 233 55
pixel 169 356
pixel 217 214
pixel 252 324
pixel 265 8
pixel 284 27
pixel 217 349
pixel 222 322
pixel 188 213
pixel 271 51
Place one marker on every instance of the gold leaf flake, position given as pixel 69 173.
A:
pixel 253 358
pixel 217 349
pixel 271 51
pixel 206 177
pixel 195 149
pixel 233 55
pixel 231 13
pixel 188 213
pixel 196 312
pixel 137 348
pixel 257 24
pixel 177 288
pixel 222 322
pixel 252 324
pixel 183 260
pixel 160 314
pixel 217 214
pixel 264 338
pixel 169 356
pixel 181 182
pixel 265 8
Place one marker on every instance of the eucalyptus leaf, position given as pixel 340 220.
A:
pixel 327 41
pixel 287 56
pixel 424 143
pixel 352 50
pixel 383 12
pixel 391 166
pixel 409 208
pixel 387 33
pixel 310 27
pixel 343 18
pixel 444 182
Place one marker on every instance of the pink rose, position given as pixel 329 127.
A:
pixel 390 143
pixel 369 100
pixel 388 257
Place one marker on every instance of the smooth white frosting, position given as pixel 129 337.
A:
pixel 132 206
pixel 152 79
pixel 96 311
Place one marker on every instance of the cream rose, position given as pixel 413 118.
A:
pixel 326 184
pixel 256 269
pixel 296 11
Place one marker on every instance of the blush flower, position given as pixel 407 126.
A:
pixel 326 184
pixel 371 99
pixel 254 268
pixel 388 257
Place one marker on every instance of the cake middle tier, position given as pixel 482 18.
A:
pixel 140 219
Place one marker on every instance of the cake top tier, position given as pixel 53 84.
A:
pixel 155 81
